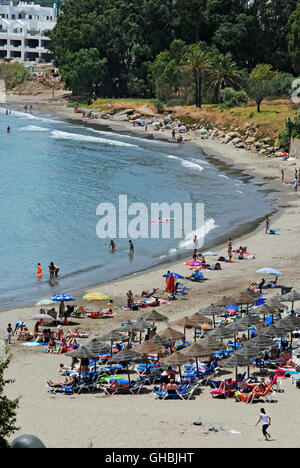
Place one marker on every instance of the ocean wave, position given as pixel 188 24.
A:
pixel 224 176
pixel 186 163
pixel 121 135
pixel 192 165
pixel 57 134
pixel 33 128
pixel 208 226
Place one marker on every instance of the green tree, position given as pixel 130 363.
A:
pixel 294 38
pixel 197 61
pixel 84 70
pixel 7 409
pixel 224 74
pixel 262 83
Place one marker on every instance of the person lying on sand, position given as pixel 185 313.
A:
pixel 68 382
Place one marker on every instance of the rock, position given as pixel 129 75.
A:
pixel 241 145
pixel 250 140
pixel 236 141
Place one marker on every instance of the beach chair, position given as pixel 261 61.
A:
pixel 133 389
pixel 163 395
pixel 224 390
pixel 181 293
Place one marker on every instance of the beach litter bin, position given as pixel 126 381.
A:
pixel 286 289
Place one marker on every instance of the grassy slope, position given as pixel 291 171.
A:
pixel 270 121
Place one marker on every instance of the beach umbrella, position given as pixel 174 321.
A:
pixel 176 359
pixel 138 326
pixel 42 317
pixel 236 361
pixel 153 316
pixel 95 297
pixel 273 331
pixel 126 356
pixel 276 304
pixel 264 310
pixel 112 337
pixel 223 302
pixel 290 323
pixel 62 298
pixel 175 275
pixel 292 297
pixel 249 320
pixel 45 302
pixel 170 283
pixel 249 353
pixel 241 299
pixel 97 346
pixel 209 254
pixel 200 318
pixel 196 350
pixel 171 334
pixel 222 332
pixel 262 342
pixel 185 322
pixel 83 352
pixel 213 310
pixel 269 271
pixel 165 342
pixel 148 347
pixel 211 343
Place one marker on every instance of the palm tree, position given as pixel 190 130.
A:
pixel 199 63
pixel 225 74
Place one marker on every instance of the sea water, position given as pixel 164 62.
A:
pixel 53 176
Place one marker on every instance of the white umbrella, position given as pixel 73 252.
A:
pixel 269 271
pixel 209 254
pixel 45 302
pixel 46 317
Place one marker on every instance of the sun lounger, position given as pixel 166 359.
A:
pixel 133 389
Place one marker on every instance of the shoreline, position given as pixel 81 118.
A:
pixel 211 152
pixel 31 369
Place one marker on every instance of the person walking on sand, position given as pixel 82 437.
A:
pixel 195 243
pixel 267 221
pixel 296 184
pixel 266 423
pixel 229 243
pixel 9 333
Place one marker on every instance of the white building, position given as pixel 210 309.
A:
pixel 22 31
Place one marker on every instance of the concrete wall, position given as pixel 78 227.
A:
pixel 295 148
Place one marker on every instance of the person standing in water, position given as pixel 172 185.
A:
pixel 112 245
pixel 266 422
pixel 39 271
pixel 131 247
pixel 8 129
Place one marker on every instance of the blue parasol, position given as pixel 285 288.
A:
pixel 269 271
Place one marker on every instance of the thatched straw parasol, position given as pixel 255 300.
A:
pixel 153 316
pixel 112 337
pixel 148 347
pixel 264 310
pixel 213 310
pixel 236 361
pixel 126 356
pixel 251 293
pixel 196 350
pixel 176 359
pixel 222 332
pixel 185 322
pixel 171 334
pixel 272 331
pixel 165 342
pixel 292 297
pixel 82 353
pixel 211 343
pixel 97 346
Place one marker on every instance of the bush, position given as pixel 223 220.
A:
pixel 159 106
pixel 232 98
pixel 13 74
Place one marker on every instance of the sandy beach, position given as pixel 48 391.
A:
pixel 96 420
